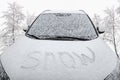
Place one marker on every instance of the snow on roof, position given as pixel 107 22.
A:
pixel 63 11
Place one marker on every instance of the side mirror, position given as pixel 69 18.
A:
pixel 100 30
pixel 25 29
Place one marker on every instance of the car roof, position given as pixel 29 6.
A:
pixel 63 11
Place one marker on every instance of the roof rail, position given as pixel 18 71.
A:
pixel 46 10
pixel 83 11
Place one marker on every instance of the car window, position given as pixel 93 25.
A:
pixel 63 24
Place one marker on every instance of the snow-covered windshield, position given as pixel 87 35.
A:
pixel 63 25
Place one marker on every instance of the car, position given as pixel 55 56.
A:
pixel 60 45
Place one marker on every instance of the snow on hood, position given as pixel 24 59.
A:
pixel 30 59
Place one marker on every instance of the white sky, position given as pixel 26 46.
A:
pixel 37 6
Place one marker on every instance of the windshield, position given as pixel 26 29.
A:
pixel 62 25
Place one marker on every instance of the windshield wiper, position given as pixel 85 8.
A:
pixel 71 38
pixel 33 36
pixel 47 37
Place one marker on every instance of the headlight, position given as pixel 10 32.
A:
pixel 115 75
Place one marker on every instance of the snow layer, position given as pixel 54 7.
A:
pixel 31 59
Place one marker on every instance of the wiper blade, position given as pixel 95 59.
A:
pixel 47 37
pixel 71 38
pixel 33 36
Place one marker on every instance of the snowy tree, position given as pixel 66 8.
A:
pixel 97 20
pixel 30 18
pixel 118 8
pixel 13 21
pixel 111 24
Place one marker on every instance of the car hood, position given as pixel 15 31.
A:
pixel 31 59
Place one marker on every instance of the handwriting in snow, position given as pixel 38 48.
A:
pixel 36 59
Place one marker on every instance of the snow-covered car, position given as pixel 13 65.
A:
pixel 60 45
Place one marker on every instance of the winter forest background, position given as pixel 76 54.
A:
pixel 15 20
